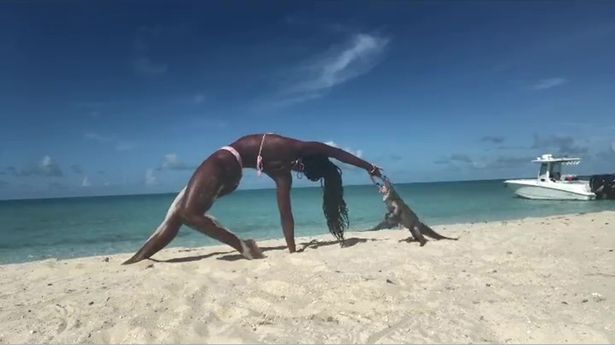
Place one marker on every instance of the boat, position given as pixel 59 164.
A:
pixel 551 184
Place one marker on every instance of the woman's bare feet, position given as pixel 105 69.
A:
pixel 250 250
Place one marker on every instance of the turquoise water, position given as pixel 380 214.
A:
pixel 76 227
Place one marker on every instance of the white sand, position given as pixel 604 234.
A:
pixel 535 280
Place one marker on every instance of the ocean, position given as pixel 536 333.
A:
pixel 77 227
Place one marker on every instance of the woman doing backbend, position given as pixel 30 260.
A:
pixel 274 155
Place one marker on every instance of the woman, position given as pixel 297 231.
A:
pixel 274 155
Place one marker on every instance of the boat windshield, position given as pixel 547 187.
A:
pixel 543 169
pixel 556 172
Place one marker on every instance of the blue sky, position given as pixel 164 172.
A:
pixel 110 97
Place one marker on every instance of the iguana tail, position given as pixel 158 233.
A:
pixel 429 232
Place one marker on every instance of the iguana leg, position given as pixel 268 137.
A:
pixel 416 233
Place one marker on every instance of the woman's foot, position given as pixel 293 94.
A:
pixel 250 250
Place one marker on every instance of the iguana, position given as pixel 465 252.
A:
pixel 399 213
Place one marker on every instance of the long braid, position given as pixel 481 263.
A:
pixel 334 207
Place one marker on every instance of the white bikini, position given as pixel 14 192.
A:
pixel 259 157
pixel 235 153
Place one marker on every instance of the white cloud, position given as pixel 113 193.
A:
pixel 548 83
pixel 48 167
pixel 150 178
pixel 358 153
pixel 349 63
pixel 332 143
pixel 46 162
pixel 172 162
pixel 341 64
pixel 86 182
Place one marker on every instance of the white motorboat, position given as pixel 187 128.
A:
pixel 550 184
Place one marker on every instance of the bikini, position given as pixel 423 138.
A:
pixel 298 164
pixel 235 153
pixel 259 157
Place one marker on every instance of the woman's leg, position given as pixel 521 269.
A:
pixel 164 234
pixel 189 208
pixel 200 194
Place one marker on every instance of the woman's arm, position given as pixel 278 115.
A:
pixel 283 183
pixel 315 148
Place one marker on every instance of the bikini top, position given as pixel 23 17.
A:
pixel 260 164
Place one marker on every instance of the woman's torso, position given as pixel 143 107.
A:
pixel 279 154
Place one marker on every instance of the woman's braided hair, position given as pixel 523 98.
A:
pixel 319 167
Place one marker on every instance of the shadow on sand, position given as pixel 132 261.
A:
pixel 191 258
pixel 234 256
pixel 313 244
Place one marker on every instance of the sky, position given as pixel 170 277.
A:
pixel 127 97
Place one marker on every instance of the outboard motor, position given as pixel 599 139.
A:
pixel 603 186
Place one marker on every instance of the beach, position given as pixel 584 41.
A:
pixel 533 280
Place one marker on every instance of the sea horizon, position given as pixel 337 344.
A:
pixel 254 189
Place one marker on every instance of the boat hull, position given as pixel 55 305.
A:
pixel 549 191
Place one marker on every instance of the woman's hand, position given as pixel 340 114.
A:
pixel 375 171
